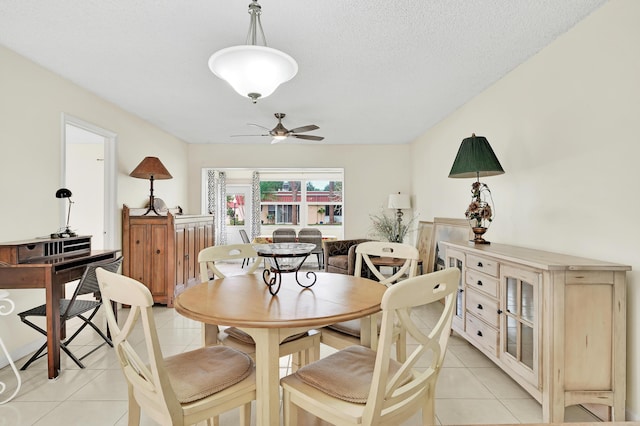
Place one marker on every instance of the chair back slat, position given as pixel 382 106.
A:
pixel 244 236
pixel 367 251
pixel 89 282
pixel 208 257
pixel 311 236
pixel 407 386
pixel 284 235
pixel 150 387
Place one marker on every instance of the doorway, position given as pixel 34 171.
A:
pixel 238 212
pixel 89 173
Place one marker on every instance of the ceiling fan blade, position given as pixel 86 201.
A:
pixel 236 136
pixel 303 129
pixel 308 137
pixel 257 125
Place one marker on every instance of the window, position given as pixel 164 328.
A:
pixel 314 200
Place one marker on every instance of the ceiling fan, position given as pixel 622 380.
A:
pixel 280 133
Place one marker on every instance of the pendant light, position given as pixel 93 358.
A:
pixel 253 70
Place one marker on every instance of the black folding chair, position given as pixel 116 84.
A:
pixel 74 308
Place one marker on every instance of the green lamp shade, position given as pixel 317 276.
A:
pixel 475 159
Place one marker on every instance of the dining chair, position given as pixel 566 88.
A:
pixel 74 308
pixel 362 386
pixel 284 235
pixel 313 236
pixel 344 334
pixel 183 389
pixel 245 240
pixel 304 347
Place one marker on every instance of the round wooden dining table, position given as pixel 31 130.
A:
pixel 244 301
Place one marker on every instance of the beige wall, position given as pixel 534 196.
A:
pixel 564 126
pixel 32 101
pixel 371 172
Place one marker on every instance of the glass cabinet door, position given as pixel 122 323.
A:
pixel 519 332
pixel 455 259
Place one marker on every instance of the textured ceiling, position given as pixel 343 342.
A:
pixel 370 72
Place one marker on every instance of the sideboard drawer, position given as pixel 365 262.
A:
pixel 483 335
pixel 482 282
pixel 483 307
pixel 482 264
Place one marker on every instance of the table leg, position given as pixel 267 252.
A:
pixel 52 297
pixel 267 375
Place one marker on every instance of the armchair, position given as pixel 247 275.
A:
pixel 340 256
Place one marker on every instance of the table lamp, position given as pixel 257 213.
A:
pixel 151 168
pixel 65 193
pixel 476 158
pixel 399 201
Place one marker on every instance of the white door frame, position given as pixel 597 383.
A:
pixel 110 160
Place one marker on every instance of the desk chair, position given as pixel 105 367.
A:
pixel 344 334
pixel 183 389
pixel 305 347
pixel 74 308
pixel 313 236
pixel 361 386
pixel 284 235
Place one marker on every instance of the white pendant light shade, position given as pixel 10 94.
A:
pixel 253 71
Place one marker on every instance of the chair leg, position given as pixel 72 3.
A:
pixel 245 415
pixel 289 411
pixel 34 357
pixel 134 409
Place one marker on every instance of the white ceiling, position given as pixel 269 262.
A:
pixel 370 72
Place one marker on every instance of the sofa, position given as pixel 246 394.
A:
pixel 340 256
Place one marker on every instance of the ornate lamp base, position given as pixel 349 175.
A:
pixel 479 232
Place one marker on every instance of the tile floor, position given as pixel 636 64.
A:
pixel 471 389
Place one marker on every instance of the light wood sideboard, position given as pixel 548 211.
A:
pixel 555 323
pixel 162 251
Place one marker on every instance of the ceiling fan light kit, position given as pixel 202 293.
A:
pixel 252 70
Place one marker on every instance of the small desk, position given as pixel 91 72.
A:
pixel 244 301
pixel 49 264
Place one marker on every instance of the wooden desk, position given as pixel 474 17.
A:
pixel 23 265
pixel 244 301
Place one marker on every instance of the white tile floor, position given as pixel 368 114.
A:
pixel 471 389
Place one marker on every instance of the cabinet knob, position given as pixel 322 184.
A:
pixel 158 251
pixel 186 255
pixel 479 282
pixel 499 311
pixel 137 241
pixel 480 265
pixel 480 306
pixel 479 333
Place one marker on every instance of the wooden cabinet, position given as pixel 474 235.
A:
pixel 162 251
pixel 555 323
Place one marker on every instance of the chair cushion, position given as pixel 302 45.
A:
pixel 197 374
pixel 240 335
pixel 346 374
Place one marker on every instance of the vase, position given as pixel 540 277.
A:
pixel 479 231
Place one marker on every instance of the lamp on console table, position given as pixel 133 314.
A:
pixel 151 168
pixel 476 158
pixel 399 201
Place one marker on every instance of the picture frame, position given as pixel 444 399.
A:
pixel 446 229
pixel 425 244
